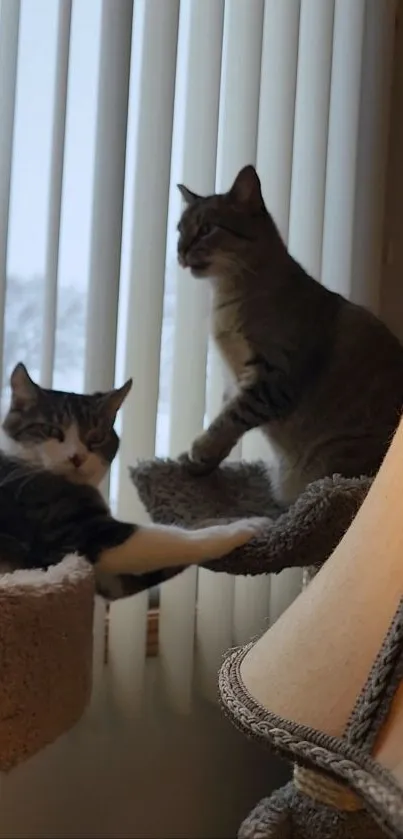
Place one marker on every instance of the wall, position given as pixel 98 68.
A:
pixel 163 776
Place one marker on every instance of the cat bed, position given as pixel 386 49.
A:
pixel 45 655
pixel 304 535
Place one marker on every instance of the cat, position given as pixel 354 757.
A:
pixel 321 376
pixel 56 449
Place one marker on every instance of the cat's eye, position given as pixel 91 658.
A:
pixel 56 433
pixel 96 439
pixel 44 431
pixel 205 229
pixel 52 432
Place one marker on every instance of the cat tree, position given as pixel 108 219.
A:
pixel 46 616
pixel 45 655
pixel 302 536
pixel 333 663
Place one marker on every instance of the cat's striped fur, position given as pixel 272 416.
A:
pixel 322 377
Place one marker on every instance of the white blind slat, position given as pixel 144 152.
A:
pixel 277 106
pixel 246 114
pixel 218 601
pixel 342 152
pixel 311 133
pixel 153 84
pixel 55 193
pixel 373 135
pixel 9 30
pixel 152 94
pixel 109 175
pixel 196 122
pixel 262 597
pixel 214 627
pixel 308 174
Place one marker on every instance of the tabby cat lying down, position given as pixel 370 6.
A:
pixel 56 449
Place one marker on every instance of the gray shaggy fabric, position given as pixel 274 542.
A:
pixel 304 535
pixel 288 814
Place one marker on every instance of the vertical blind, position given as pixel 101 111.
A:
pixel 190 91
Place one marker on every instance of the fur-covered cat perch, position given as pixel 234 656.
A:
pixel 302 536
pixel 46 616
pixel 45 655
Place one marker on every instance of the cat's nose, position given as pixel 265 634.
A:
pixel 77 460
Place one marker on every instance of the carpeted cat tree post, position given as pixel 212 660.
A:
pixel 45 655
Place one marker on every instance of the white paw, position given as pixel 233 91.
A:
pixel 244 530
pixel 224 538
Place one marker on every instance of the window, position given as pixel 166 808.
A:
pixel 286 86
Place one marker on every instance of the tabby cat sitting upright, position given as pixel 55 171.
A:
pixel 321 376
pixel 56 448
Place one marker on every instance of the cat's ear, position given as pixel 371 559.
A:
pixel 113 400
pixel 188 196
pixel 23 390
pixel 247 190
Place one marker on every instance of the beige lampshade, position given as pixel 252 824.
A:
pixel 312 664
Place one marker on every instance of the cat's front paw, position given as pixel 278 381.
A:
pixel 223 539
pixel 197 465
pixel 200 467
pixel 244 530
pixel 204 456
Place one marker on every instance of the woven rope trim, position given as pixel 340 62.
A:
pixel 373 704
pixel 323 790
pixel 312 748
